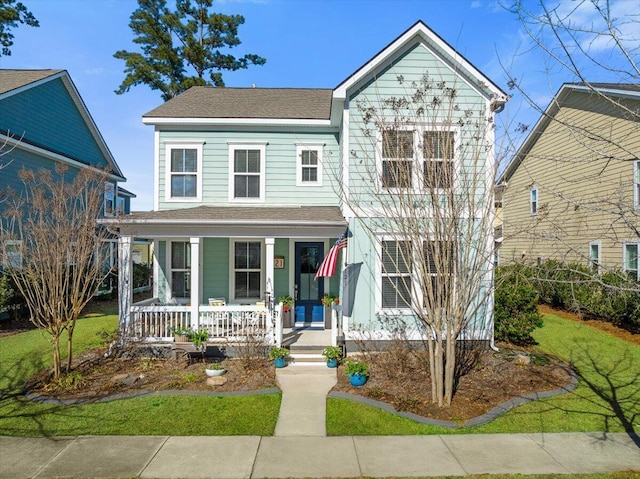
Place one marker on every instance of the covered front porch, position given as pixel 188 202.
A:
pixel 226 270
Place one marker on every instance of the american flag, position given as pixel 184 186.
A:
pixel 328 266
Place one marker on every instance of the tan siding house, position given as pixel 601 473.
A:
pixel 572 190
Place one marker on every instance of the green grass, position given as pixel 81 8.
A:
pixel 606 399
pixel 24 354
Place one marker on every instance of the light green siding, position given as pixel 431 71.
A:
pixel 281 164
pixel 281 276
pixel 215 268
pixel 162 269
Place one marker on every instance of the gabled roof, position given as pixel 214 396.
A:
pixel 209 103
pixel 617 90
pixel 13 82
pixel 421 32
pixel 15 79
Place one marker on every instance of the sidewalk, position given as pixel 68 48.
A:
pixel 257 457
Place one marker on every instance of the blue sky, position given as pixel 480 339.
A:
pixel 306 43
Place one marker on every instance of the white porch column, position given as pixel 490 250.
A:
pixel 269 286
pixel 195 282
pixel 125 283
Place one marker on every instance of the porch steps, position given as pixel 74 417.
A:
pixel 306 356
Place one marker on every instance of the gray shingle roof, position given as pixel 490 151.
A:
pixel 239 214
pixel 213 102
pixel 12 79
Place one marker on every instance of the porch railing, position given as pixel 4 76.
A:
pixel 224 323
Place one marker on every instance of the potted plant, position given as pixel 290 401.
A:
pixel 214 369
pixel 329 300
pixel 278 356
pixel 287 304
pixel 181 335
pixel 332 355
pixel 358 371
pixel 199 338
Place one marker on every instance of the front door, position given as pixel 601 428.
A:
pixel 309 291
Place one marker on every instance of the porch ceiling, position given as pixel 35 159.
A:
pixel 226 221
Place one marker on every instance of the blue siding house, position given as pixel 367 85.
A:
pixel 254 186
pixel 44 123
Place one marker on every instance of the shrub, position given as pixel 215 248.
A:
pixel 516 312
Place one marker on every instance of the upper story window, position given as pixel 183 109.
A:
pixel 636 184
pixel 247 167
pixel 12 257
pixel 120 206
pixel 109 199
pixel 397 158
pixel 431 151
pixel 184 171
pixel 309 165
pixel 438 152
pixel 630 260
pixel 533 201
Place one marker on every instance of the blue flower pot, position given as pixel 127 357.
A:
pixel 357 379
pixel 280 362
pixel 332 363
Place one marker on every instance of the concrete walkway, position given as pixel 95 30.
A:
pixel 303 456
pixel 303 410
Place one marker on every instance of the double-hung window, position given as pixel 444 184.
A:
pixel 184 171
pixel 12 257
pixel 438 151
pixel 630 260
pixel 247 271
pixel 247 167
pixel 396 274
pixel 594 255
pixel 533 201
pixel 440 261
pixel 397 158
pixel 180 269
pixel 309 165
pixel 109 199
pixel 636 184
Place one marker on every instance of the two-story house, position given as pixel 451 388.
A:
pixel 572 191
pixel 43 123
pixel 255 186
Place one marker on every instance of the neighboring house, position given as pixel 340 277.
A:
pixel 572 191
pixel 44 122
pixel 250 188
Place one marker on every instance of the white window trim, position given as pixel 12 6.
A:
pixel 300 147
pixel 232 269
pixel 248 145
pixel 6 262
pixel 418 157
pixel 414 279
pixel 624 257
pixel 182 144
pixel 599 259
pixel 169 259
pixel 537 202
pixel 636 184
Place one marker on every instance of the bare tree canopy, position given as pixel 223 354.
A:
pixel 173 42
pixel 55 252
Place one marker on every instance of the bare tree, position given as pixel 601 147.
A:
pixel 54 250
pixel 422 189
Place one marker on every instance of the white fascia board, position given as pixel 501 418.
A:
pixel 17 143
pixel 610 91
pixel 234 121
pixel 179 222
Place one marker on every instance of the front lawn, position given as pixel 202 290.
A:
pixel 23 354
pixel 606 399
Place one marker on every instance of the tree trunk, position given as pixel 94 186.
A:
pixel 70 345
pixel 55 340
pixel 450 367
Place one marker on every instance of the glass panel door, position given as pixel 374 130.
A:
pixel 309 292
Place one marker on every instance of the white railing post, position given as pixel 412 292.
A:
pixel 125 279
